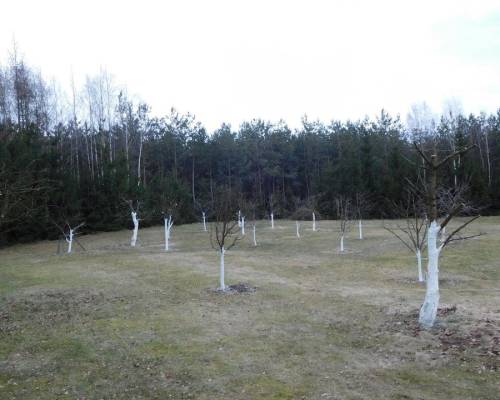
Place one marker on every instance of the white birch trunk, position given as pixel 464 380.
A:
pixel 298 227
pixel 222 284
pixel 254 236
pixel 429 308
pixel 243 226
pixel 342 243
pixel 70 241
pixel 133 241
pixel 204 222
pixel 419 265
pixel 272 221
pixel 314 222
pixel 360 227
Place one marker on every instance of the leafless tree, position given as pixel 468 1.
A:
pixel 344 215
pixel 224 230
pixel 69 235
pixel 413 231
pixel 362 207
pixel 134 212
pixel 429 190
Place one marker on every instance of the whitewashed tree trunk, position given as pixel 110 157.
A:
pixel 133 241
pixel 254 236
pixel 442 236
pixel 272 221
pixel 243 226
pixel 168 227
pixel 298 228
pixel 342 243
pixel 314 222
pixel 222 284
pixel 204 221
pixel 419 265
pixel 428 311
pixel 239 218
pixel 360 227
pixel 70 241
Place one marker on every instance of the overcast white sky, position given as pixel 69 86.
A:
pixel 230 60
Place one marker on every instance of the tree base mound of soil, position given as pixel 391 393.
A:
pixel 238 288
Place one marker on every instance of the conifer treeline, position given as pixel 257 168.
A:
pixel 80 162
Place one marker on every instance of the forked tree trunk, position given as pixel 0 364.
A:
pixel 222 284
pixel 133 241
pixel 298 227
pixel 70 241
pixel 254 236
pixel 168 227
pixel 360 227
pixel 428 311
pixel 419 265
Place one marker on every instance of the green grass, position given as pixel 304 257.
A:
pixel 117 322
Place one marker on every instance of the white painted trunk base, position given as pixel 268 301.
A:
pixel 272 221
pixel 168 227
pixel 242 224
pixel 429 308
pixel 314 222
pixel 342 243
pixel 133 241
pixel 204 222
pixel 222 285
pixel 419 265
pixel 360 228
pixel 297 225
pixel 254 237
pixel 70 241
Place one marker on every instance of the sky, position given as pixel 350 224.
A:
pixel 233 60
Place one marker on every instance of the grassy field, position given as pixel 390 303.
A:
pixel 116 322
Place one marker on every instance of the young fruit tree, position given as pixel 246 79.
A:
pixel 344 215
pixel 135 220
pixel 429 189
pixel 168 222
pixel 413 231
pixel 254 235
pixel 69 235
pixel 272 206
pixel 204 217
pixel 224 230
pixel 362 207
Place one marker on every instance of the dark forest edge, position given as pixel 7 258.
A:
pixel 88 159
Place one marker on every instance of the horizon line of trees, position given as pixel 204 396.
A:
pixel 83 159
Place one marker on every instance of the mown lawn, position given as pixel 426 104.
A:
pixel 116 322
